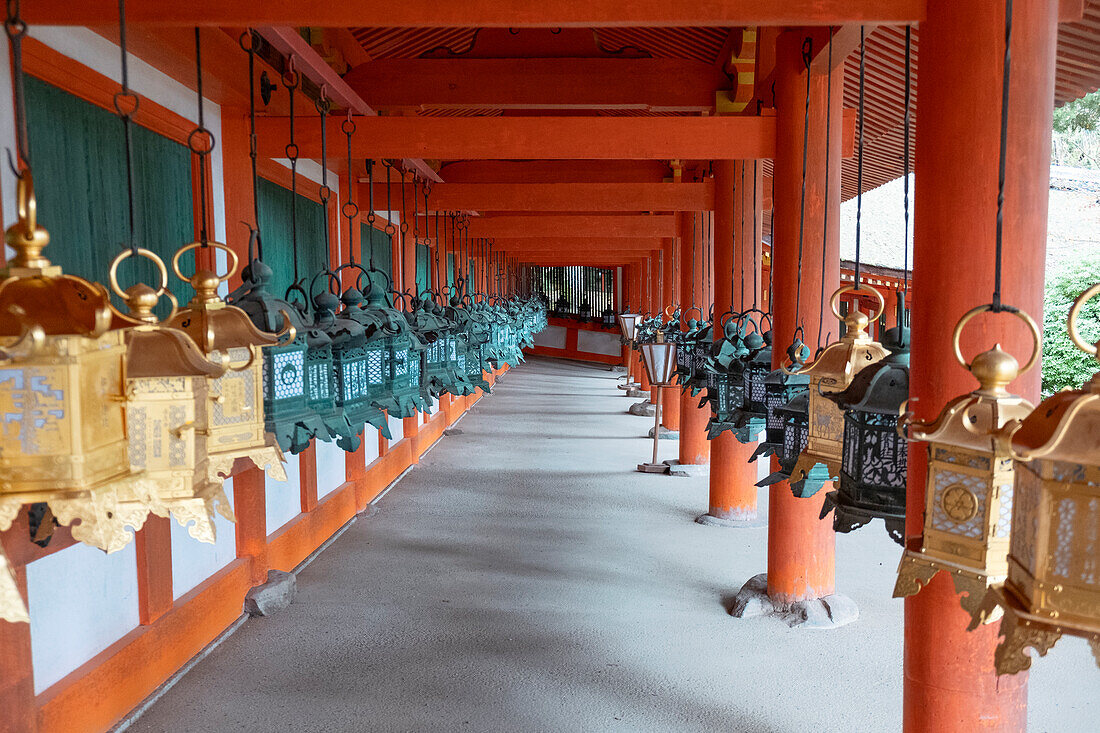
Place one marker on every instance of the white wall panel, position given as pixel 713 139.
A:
pixel 332 466
pixel 194 561
pixel 284 498
pixel 82 600
pixel 599 342
pixel 552 337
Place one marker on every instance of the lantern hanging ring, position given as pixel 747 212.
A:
pixel 834 301
pixel 233 259
pixel 1036 338
pixel 291 78
pixel 26 204
pixel 150 255
pixel 1074 312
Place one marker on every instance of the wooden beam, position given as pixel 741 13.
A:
pixel 555 171
pixel 557 138
pixel 632 227
pixel 659 85
pixel 641 245
pixel 478 13
pixel 559 197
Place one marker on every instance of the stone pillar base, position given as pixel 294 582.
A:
pixel 686 469
pixel 829 612
pixel 635 392
pixel 666 434
pixel 711 520
pixel 644 408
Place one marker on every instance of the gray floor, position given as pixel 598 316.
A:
pixel 523 578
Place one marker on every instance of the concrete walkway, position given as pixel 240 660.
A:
pixel 524 578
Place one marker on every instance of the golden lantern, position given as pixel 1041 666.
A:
pixel 62 422
pixel 233 410
pixel 167 391
pixel 968 494
pixel 1053 583
pixel 832 371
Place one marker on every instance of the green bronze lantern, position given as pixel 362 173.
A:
pixel 874 462
pixel 351 365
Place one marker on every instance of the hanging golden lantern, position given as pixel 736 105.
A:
pixel 167 391
pixel 832 371
pixel 233 412
pixel 968 494
pixel 62 424
pixel 1053 583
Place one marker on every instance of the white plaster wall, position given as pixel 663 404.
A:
pixel 284 498
pixel 370 444
pixel 397 428
pixel 332 465
pixel 194 561
pixel 599 342
pixel 552 337
pixel 81 601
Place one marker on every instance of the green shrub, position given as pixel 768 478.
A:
pixel 1064 365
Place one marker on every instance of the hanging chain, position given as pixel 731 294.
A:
pixel 997 306
pixel 126 104
pixel 201 143
pixel 290 80
pixel 825 214
pixel 16 29
pixel 807 56
pixel 350 209
pixel 859 150
pixel 325 193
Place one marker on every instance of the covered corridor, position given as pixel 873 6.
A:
pixel 523 578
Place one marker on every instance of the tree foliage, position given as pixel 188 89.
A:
pixel 1076 136
pixel 1080 114
pixel 1064 365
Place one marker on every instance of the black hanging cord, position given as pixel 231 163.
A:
pixel 126 104
pixel 807 56
pixel 825 215
pixel 325 193
pixel 291 79
pixel 859 151
pixel 996 305
pixel 905 165
pixel 16 29
pixel 350 209
pixel 250 48
pixel 755 240
pixel 201 143
pixel 741 230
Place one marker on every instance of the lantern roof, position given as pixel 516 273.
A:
pixel 880 388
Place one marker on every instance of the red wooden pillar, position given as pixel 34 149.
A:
pixel 17 699
pixel 732 478
pixel 670 294
pixel 950 684
pixel 153 545
pixel 801 546
pixel 250 506
pixel 694 446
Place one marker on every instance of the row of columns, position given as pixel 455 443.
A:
pixel 949 680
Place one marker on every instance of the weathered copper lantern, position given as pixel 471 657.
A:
pixel 780 387
pixel 1053 584
pixel 351 362
pixel 968 495
pixel 234 411
pixel 832 371
pixel 286 415
pixel 873 467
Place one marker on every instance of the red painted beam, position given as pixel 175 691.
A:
pixel 578 244
pixel 561 197
pixel 591 226
pixel 478 13
pixel 660 85
pixel 555 171
pixel 557 138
